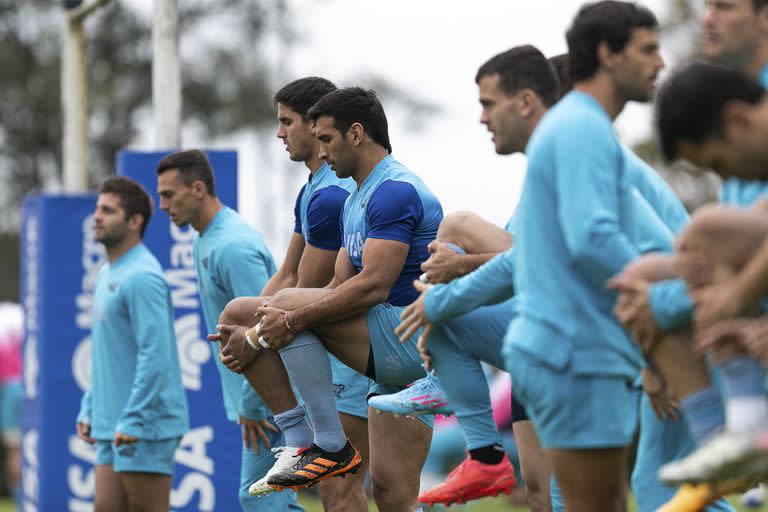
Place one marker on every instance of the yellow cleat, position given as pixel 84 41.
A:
pixel 693 498
pixel 690 498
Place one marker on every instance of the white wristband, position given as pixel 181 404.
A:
pixel 250 342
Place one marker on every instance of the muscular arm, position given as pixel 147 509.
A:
pixel 316 268
pixel 383 261
pixel 466 263
pixel 343 270
pixel 287 275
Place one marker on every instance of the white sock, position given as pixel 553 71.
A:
pixel 746 414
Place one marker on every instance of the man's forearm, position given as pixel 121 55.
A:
pixel 467 263
pixel 278 282
pixel 350 298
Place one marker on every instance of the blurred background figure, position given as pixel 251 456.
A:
pixel 11 333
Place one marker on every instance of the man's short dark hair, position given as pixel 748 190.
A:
pixel 355 105
pixel 559 64
pixel 192 165
pixel 689 105
pixel 522 67
pixel 759 4
pixel 609 21
pixel 133 198
pixel 300 95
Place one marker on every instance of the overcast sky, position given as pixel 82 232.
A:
pixel 431 48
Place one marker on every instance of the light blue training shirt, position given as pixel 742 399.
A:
pixel 136 384
pixel 231 260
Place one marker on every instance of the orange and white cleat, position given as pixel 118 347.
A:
pixel 315 465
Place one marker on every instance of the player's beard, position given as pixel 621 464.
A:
pixel 113 238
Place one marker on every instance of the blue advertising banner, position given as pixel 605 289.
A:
pixel 60 261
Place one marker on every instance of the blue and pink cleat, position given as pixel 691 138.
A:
pixel 425 396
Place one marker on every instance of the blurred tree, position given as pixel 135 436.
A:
pixel 225 85
pixel 231 52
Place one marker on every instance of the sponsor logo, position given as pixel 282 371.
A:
pixel 338 389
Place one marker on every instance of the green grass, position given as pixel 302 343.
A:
pixel 488 505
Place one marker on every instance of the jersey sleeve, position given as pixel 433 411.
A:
pixel 84 416
pixel 671 305
pixel 394 210
pixel 656 192
pixel 147 298
pixel 587 183
pixel 297 212
pixel 490 283
pixel 323 213
pixel 244 268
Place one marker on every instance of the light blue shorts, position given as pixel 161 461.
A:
pixel 140 457
pixel 395 363
pixel 574 411
pixel 350 389
pixel 11 394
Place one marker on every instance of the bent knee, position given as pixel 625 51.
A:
pixel 454 225
pixel 709 221
pixel 652 267
pixel 241 311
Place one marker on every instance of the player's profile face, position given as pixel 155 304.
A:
pixel 639 66
pixel 730 29
pixel 176 198
pixel 334 147
pixel 500 115
pixel 295 134
pixel 110 223
pixel 714 153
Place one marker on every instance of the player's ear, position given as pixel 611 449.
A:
pixel 135 222
pixel 356 133
pixel 527 101
pixel 198 189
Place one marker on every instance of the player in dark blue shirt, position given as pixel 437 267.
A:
pixel 387 223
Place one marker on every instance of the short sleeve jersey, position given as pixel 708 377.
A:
pixel 393 204
pixel 318 208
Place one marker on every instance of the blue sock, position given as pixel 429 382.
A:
pixel 741 376
pixel 704 413
pixel 307 363
pixel 746 406
pixel 296 430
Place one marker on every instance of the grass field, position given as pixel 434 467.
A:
pixel 487 505
pixel 490 505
